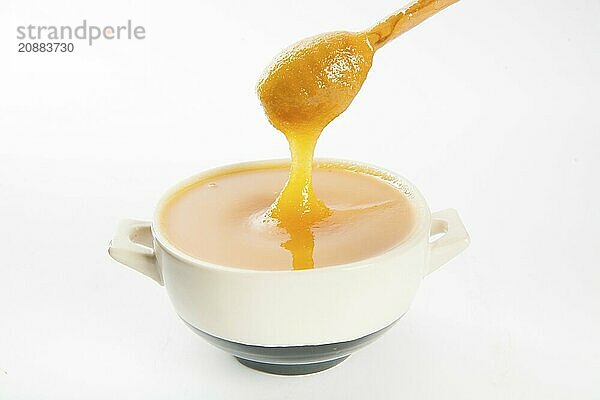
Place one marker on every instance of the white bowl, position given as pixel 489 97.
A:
pixel 293 322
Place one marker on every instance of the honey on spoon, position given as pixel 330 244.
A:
pixel 302 91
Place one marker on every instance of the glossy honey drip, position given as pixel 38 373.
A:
pixel 302 91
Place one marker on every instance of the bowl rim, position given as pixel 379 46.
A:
pixel 416 199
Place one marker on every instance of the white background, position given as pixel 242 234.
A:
pixel 490 107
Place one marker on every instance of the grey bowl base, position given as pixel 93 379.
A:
pixel 291 360
pixel 291 369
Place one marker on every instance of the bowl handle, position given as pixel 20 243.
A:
pixel 133 246
pixel 454 239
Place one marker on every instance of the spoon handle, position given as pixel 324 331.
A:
pixel 404 19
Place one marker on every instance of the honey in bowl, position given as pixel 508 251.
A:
pixel 219 218
pixel 273 216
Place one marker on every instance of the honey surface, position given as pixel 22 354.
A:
pixel 219 218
